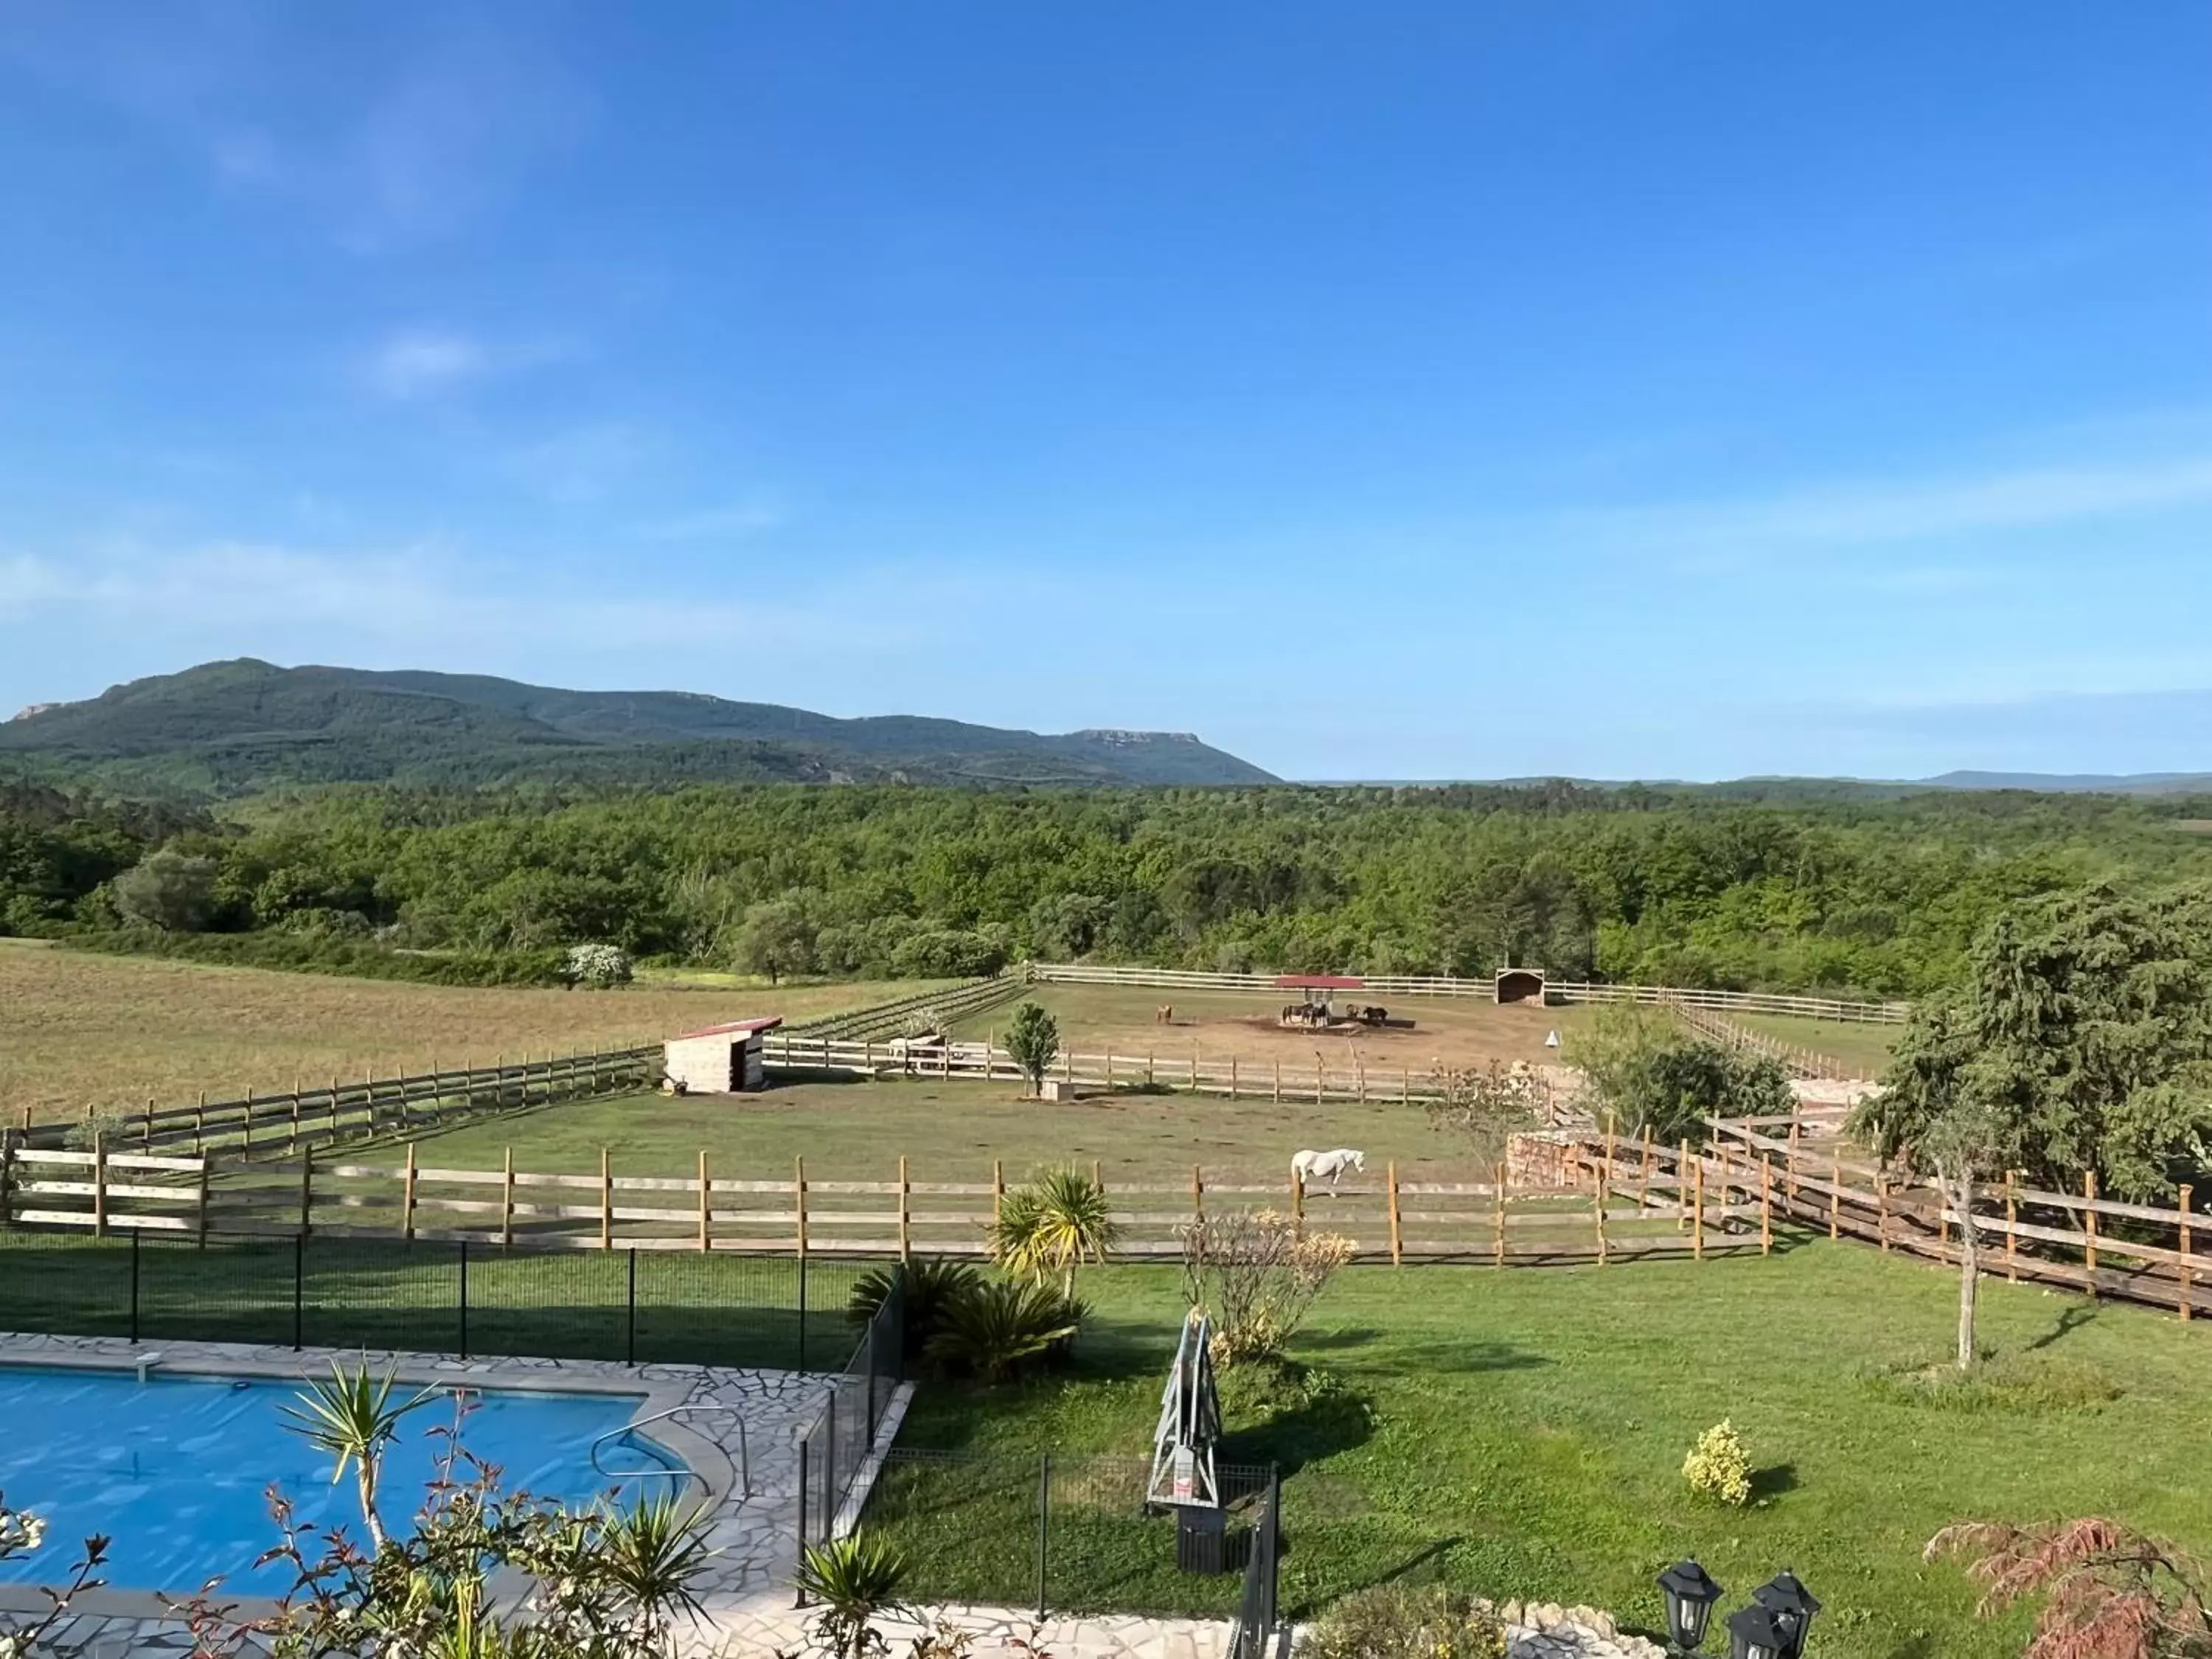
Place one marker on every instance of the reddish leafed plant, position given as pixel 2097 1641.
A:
pixel 2109 1592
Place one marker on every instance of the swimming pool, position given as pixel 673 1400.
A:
pixel 176 1469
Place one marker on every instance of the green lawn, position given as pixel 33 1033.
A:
pixel 950 1131
pixel 1852 1041
pixel 1522 1435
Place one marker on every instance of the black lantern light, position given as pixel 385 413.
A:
pixel 1753 1633
pixel 1690 1593
pixel 1793 1606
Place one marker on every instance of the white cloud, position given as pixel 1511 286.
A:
pixel 415 362
pixel 714 524
pixel 412 363
pixel 2021 498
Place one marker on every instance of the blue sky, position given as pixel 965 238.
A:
pixel 1402 391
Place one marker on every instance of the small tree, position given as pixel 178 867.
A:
pixel 1256 1275
pixel 2112 1592
pixel 1488 1105
pixel 1649 1072
pixel 1033 1040
pixel 1931 1119
pixel 600 966
pixel 168 890
pixel 776 938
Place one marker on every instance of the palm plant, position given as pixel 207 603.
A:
pixel 932 1283
pixel 649 1555
pixel 853 1580
pixel 351 1416
pixel 1058 1219
pixel 1002 1325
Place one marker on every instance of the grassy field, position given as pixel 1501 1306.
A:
pixel 1452 1030
pixel 950 1130
pixel 79 1028
pixel 1522 1435
pixel 1861 1045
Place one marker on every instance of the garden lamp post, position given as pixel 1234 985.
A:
pixel 1690 1593
pixel 1793 1606
pixel 1753 1633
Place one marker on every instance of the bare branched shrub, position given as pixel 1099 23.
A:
pixel 1256 1275
pixel 2112 1592
pixel 1488 1104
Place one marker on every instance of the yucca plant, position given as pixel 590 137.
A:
pixel 351 1415
pixel 853 1580
pixel 649 1555
pixel 1057 1219
pixel 932 1284
pixel 1003 1326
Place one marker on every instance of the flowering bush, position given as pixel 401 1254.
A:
pixel 1719 1465
pixel 1256 1275
pixel 1404 1621
pixel 596 965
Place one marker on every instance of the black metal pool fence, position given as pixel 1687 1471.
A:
pixel 833 1452
pixel 633 1305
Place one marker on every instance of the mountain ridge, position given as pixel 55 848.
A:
pixel 243 725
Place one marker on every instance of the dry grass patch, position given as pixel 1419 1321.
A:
pixel 78 1029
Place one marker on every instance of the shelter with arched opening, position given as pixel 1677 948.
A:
pixel 1519 985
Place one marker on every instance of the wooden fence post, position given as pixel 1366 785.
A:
pixel 200 1127
pixel 1835 1194
pixel 1232 1076
pixel 799 1196
pixel 1682 1188
pixel 407 1196
pixel 1882 1206
pixel 905 1235
pixel 1643 1179
pixel 1497 1191
pixel 99 1183
pixel 606 1199
pixel 1792 1177
pixel 2089 1227
pixel 1697 1213
pixel 706 1206
pixel 1397 1241
pixel 1279 1083
pixel 306 1191
pixel 203 1199
pixel 1604 1187
pixel 1765 1207
pixel 1298 1204
pixel 997 1188
pixel 1321 1068
pixel 2186 1273
pixel 2011 1226
pixel 146 1133
pixel 1197 1193
pixel 506 1202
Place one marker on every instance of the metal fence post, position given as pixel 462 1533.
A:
pixel 1274 1544
pixel 464 1298
pixel 1044 1523
pixel 802 1310
pixel 630 1349
pixel 134 1288
pixel 803 1449
pixel 299 1289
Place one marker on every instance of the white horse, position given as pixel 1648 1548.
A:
pixel 1309 1167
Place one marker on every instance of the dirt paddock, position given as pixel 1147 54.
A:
pixel 1446 1031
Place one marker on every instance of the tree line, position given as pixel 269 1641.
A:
pixel 1868 896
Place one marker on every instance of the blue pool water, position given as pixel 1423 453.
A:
pixel 177 1469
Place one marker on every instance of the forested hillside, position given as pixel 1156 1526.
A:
pixel 1871 896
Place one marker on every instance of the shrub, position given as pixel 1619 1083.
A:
pixel 1002 1328
pixel 111 1129
pixel 947 953
pixel 1256 1278
pixel 1718 1467
pixel 169 890
pixel 1398 1620
pixel 596 965
pixel 933 1285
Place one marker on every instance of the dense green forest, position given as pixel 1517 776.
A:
pixel 1879 897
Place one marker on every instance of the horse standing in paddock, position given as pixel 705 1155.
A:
pixel 1164 1014
pixel 1309 1167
